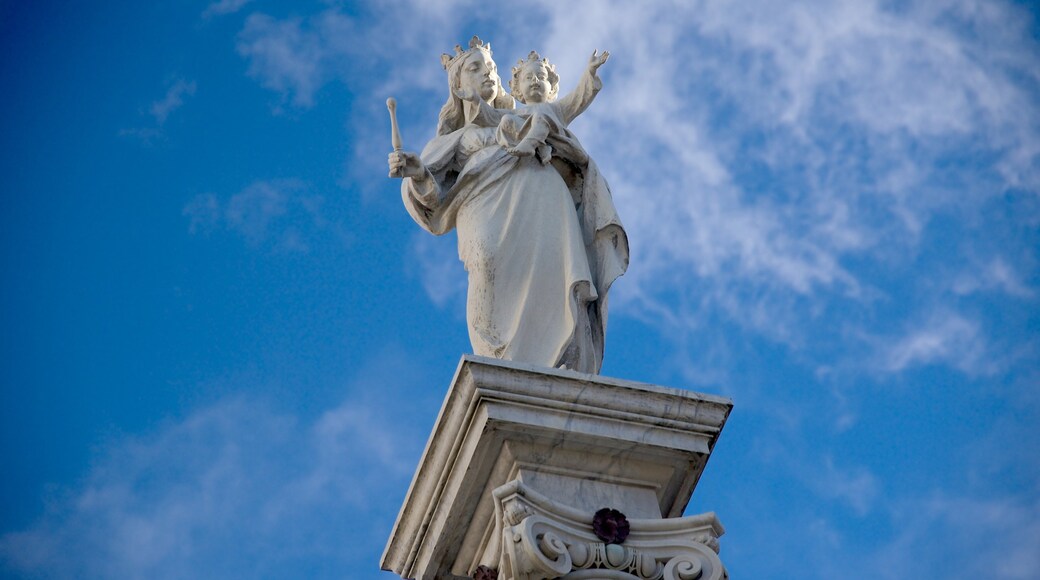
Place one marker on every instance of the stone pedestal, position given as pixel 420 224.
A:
pixel 522 457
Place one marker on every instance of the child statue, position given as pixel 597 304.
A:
pixel 534 128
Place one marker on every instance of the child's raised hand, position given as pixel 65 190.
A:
pixel 597 60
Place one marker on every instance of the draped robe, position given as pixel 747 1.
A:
pixel 542 243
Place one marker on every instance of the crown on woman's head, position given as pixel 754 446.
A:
pixel 474 43
pixel 533 57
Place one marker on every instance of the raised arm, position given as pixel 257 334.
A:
pixel 575 102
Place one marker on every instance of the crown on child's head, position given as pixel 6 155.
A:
pixel 533 57
pixel 474 44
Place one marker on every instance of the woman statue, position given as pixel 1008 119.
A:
pixel 538 234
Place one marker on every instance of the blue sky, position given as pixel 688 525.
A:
pixel 225 342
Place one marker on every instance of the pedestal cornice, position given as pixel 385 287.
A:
pixel 577 438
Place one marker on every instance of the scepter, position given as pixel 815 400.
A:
pixel 395 133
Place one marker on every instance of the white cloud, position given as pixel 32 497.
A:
pixel 973 517
pixel 203 213
pixel 223 7
pixel 857 487
pixel 996 275
pixel 944 338
pixel 804 79
pixel 267 212
pixel 936 536
pixel 782 449
pixel 442 275
pixel 768 160
pixel 161 110
pixel 239 488
pixel 173 100
pixel 770 150
pixel 251 211
pixel 296 57
pixel 994 537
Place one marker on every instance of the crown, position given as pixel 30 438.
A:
pixel 533 57
pixel 474 44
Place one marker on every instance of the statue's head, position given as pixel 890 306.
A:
pixel 534 80
pixel 473 69
pixel 470 69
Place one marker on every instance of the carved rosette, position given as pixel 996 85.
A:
pixel 610 526
pixel 544 539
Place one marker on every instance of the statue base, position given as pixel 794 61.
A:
pixel 522 458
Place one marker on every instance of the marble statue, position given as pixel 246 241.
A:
pixel 537 229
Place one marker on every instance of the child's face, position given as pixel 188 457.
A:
pixel 534 83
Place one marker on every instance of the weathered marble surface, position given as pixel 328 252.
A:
pixel 583 441
pixel 537 228
pixel 541 538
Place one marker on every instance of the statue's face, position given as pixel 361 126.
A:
pixel 534 82
pixel 480 74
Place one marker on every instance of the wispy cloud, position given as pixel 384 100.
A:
pixel 995 276
pixel 268 212
pixel 781 448
pixel 797 138
pixel 160 110
pixel 173 100
pixel 1000 533
pixel 770 152
pixel 858 487
pixel 944 338
pixel 934 536
pixel 780 168
pixel 296 57
pixel 871 518
pixel 439 270
pixel 223 7
pixel 238 488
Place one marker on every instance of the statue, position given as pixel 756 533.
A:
pixel 536 224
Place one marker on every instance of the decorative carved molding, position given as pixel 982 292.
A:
pixel 541 538
pixel 586 441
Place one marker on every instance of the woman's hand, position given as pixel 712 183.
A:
pixel 406 164
pixel 597 60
